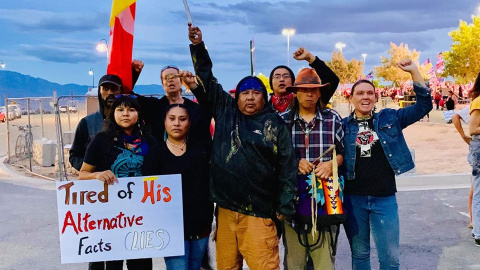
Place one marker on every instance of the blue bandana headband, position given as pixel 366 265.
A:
pixel 250 84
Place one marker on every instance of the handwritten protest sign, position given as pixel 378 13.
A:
pixel 139 217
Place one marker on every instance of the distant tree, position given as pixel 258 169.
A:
pixel 463 60
pixel 389 70
pixel 355 69
pixel 347 71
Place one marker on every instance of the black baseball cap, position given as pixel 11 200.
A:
pixel 110 78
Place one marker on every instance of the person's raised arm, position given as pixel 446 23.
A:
pixel 137 66
pixel 409 66
pixel 323 71
pixel 217 99
pixel 423 104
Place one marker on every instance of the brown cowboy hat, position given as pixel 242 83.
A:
pixel 307 78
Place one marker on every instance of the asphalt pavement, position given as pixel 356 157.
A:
pixel 433 223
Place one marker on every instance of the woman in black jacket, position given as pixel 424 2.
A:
pixel 180 155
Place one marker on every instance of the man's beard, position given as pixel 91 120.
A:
pixel 107 103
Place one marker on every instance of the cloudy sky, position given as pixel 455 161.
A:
pixel 56 39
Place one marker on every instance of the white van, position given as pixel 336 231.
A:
pixel 15 108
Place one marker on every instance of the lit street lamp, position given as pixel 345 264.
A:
pixel 340 46
pixel 102 46
pixel 2 65
pixel 91 73
pixel 288 32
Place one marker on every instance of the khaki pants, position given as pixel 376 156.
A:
pixel 296 254
pixel 246 237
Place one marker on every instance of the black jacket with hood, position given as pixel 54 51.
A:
pixel 253 168
pixel 87 128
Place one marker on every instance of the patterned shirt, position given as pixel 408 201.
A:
pixel 311 139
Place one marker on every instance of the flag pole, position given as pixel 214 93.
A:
pixel 252 57
pixel 187 10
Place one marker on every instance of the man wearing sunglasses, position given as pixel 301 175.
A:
pixel 108 87
pixel 154 108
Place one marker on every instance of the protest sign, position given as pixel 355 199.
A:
pixel 139 217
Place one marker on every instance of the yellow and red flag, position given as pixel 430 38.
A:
pixel 122 22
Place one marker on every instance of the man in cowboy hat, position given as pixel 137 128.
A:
pixel 314 129
pixel 282 77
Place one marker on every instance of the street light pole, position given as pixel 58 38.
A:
pixel 91 73
pixel 364 55
pixel 288 32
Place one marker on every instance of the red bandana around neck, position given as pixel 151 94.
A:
pixel 281 103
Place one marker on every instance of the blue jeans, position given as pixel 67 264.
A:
pixel 192 260
pixel 475 162
pixel 378 216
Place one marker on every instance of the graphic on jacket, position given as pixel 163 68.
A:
pixel 270 134
pixel 366 138
pixel 235 143
pixel 127 164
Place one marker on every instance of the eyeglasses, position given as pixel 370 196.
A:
pixel 126 95
pixel 285 76
pixel 171 76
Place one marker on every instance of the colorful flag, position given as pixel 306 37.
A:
pixel 431 70
pixel 440 64
pixel 369 76
pixel 122 22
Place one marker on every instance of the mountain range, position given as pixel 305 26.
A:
pixel 17 85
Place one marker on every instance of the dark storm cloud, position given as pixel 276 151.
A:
pixel 45 21
pixel 61 53
pixel 60 24
pixel 345 16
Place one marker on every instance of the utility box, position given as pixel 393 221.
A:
pixel 68 137
pixel 44 152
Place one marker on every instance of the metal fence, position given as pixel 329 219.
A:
pixel 27 120
pixel 40 132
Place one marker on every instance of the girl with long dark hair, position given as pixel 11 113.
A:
pixel 120 150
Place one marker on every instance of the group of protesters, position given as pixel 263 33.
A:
pixel 268 165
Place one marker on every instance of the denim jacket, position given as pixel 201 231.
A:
pixel 389 123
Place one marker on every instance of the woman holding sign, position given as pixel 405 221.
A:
pixel 178 155
pixel 119 151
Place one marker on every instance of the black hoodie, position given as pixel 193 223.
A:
pixel 87 128
pixel 253 168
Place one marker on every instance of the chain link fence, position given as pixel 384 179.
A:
pixel 31 133
pixel 40 131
